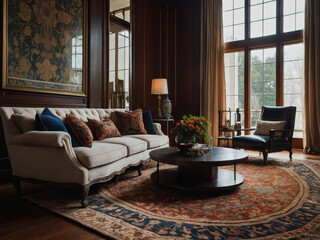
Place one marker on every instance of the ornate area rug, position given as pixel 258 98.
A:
pixel 277 201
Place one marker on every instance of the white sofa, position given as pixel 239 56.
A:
pixel 49 156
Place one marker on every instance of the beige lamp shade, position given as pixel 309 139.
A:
pixel 159 86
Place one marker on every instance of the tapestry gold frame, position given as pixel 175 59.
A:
pixel 62 86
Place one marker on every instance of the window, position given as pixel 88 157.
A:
pixel 119 58
pixel 264 56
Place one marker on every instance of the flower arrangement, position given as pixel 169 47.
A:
pixel 192 128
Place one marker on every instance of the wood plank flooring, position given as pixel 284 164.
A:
pixel 32 222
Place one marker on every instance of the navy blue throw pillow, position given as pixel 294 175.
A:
pixel 148 122
pixel 47 121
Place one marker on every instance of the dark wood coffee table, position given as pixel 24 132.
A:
pixel 198 173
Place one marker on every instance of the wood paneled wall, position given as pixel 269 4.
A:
pixel 98 50
pixel 166 43
pixel 184 56
pixel 150 50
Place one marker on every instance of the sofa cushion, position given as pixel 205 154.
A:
pixel 100 154
pixel 152 140
pixel 148 122
pixel 25 122
pixel 133 145
pixel 103 129
pixel 130 122
pixel 81 130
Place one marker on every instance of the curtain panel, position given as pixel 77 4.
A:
pixel 312 77
pixel 212 86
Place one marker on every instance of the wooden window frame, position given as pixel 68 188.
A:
pixel 278 41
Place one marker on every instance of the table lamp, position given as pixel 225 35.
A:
pixel 159 87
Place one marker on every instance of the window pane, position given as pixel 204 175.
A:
pixel 238 3
pixel 269 27
pixel 300 5
pixel 112 60
pixel 289 7
pixel 234 75
pixel 227 5
pixel 270 10
pixel 239 32
pixel 293 15
pixel 228 18
pixel 300 21
pixel 233 20
pixel 121 58
pixel 293 81
pixel 256 13
pixel 239 16
pixel 256 29
pixel 228 34
pixel 120 41
pixel 263 81
pixel 112 41
pixel 289 23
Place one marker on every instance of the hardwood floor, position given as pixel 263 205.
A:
pixel 30 221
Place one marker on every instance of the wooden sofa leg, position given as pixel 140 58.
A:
pixel 17 186
pixel 265 156
pixel 84 195
pixel 290 154
pixel 139 169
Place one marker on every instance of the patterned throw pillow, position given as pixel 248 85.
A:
pixel 263 127
pixel 81 130
pixel 130 122
pixel 102 130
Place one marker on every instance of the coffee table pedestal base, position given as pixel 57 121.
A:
pixel 199 179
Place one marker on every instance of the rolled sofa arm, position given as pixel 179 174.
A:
pixel 42 138
pixel 157 128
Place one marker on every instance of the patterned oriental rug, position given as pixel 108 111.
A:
pixel 277 201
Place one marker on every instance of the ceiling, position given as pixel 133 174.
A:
pixel 118 4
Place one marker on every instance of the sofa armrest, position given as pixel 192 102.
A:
pixel 42 138
pixel 157 128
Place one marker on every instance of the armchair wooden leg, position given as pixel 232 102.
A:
pixel 290 154
pixel 84 195
pixel 139 169
pixel 17 186
pixel 265 156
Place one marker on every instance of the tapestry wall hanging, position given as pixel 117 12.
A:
pixel 44 46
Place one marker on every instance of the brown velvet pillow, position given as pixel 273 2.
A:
pixel 263 127
pixel 102 130
pixel 81 130
pixel 130 122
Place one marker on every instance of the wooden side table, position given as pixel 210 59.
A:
pixel 166 125
pixel 165 121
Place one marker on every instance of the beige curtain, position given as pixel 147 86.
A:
pixel 212 88
pixel 312 77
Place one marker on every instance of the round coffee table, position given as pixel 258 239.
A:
pixel 198 173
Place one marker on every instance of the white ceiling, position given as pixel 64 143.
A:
pixel 118 4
